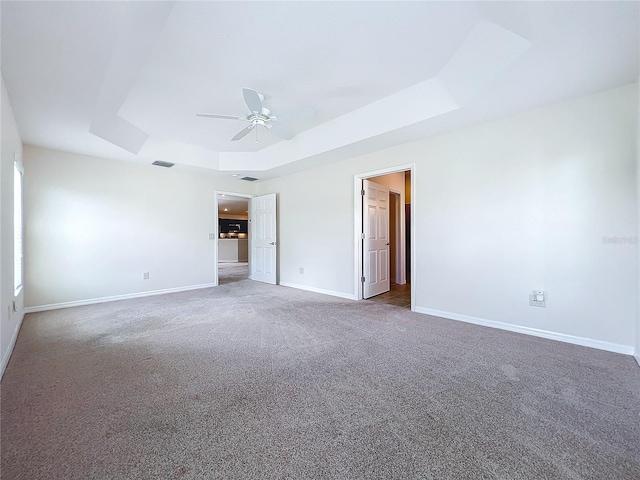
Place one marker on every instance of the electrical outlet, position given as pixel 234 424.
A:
pixel 301 270
pixel 8 312
pixel 538 298
pixel 212 236
pixel 145 276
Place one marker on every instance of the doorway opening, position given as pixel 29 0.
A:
pixel 232 240
pixel 383 217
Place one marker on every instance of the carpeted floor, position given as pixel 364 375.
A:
pixel 248 381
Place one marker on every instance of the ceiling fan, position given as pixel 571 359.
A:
pixel 260 115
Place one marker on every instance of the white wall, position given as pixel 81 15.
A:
pixel 501 208
pixel 94 226
pixel 637 348
pixel 10 320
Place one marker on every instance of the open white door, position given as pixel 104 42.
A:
pixel 375 248
pixel 262 229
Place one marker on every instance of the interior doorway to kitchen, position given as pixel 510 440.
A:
pixel 232 237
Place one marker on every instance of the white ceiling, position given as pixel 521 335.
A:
pixel 234 205
pixel 124 80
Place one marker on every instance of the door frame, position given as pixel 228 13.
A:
pixel 357 201
pixel 400 273
pixel 216 221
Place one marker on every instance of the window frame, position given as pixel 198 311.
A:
pixel 18 225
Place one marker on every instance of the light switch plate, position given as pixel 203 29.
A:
pixel 534 300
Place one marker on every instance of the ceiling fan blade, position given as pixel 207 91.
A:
pixel 295 115
pixel 252 99
pixel 282 132
pixel 243 132
pixel 224 117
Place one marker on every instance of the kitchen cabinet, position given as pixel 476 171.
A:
pixel 228 225
pixel 233 250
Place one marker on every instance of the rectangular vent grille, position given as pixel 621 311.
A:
pixel 160 163
pixel 249 179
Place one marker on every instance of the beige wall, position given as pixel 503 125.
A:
pixel 501 209
pixel 95 226
pixel 637 347
pixel 10 320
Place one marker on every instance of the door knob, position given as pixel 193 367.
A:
pixel 388 243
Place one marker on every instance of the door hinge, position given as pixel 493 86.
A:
pixel 362 279
pixel 362 192
pixel 362 236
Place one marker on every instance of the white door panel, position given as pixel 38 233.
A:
pixel 383 275
pixel 263 218
pixel 376 239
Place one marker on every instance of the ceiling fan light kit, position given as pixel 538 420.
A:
pixel 258 115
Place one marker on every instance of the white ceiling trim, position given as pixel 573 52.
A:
pixel 118 131
pixel 132 49
pixel 377 73
pixel 180 152
pixel 425 100
pixel 487 51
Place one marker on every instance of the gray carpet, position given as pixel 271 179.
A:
pixel 251 381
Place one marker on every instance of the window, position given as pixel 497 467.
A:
pixel 17 225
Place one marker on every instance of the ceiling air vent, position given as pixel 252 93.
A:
pixel 160 163
pixel 249 179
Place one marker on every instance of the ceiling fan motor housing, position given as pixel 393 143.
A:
pixel 261 118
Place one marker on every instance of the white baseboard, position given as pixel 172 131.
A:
pixel 348 296
pixel 637 356
pixel 12 343
pixel 561 337
pixel 128 296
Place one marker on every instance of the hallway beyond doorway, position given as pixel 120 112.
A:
pixel 399 295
